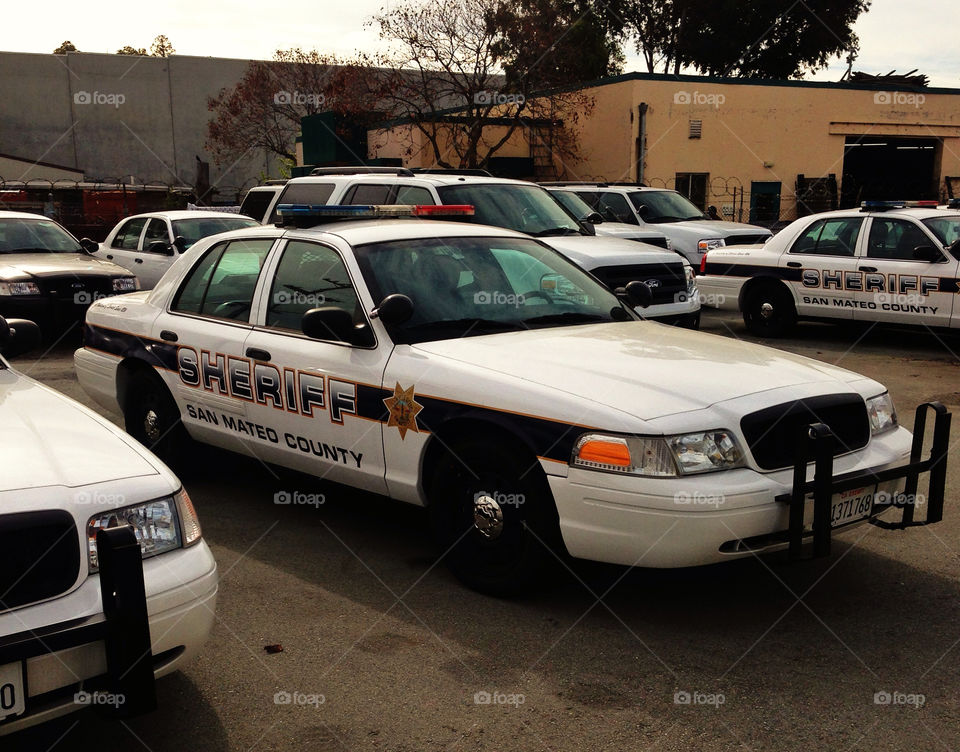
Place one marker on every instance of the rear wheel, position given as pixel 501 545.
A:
pixel 493 516
pixel 769 311
pixel 152 417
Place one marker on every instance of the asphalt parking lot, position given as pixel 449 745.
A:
pixel 384 650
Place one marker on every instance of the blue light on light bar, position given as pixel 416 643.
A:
pixel 327 210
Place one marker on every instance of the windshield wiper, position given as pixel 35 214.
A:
pixel 555 232
pixel 37 250
pixel 569 317
pixel 470 324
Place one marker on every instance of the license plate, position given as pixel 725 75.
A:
pixel 852 505
pixel 12 701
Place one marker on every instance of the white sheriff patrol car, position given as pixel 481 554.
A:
pixel 105 580
pixel 890 261
pixel 475 370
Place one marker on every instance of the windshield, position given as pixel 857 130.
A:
pixel 947 229
pixel 36 236
pixel 524 208
pixel 193 230
pixel 663 206
pixel 573 203
pixel 464 287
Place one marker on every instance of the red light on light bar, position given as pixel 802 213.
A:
pixel 928 204
pixel 443 210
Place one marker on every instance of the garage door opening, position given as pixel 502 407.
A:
pixel 879 168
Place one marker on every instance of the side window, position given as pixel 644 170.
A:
pixel 414 194
pixel 222 283
pixel 368 194
pixel 830 237
pixel 156 230
pixel 895 239
pixel 128 235
pixel 308 276
pixel 615 208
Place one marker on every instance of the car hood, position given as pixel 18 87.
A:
pixel 26 265
pixel 47 439
pixel 623 230
pixel 594 251
pixel 701 229
pixel 644 369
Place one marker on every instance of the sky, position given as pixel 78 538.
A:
pixel 894 34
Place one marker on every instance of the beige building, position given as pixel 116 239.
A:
pixel 757 150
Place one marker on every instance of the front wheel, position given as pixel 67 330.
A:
pixel 769 311
pixel 152 417
pixel 493 517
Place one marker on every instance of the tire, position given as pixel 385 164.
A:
pixel 769 311
pixel 152 417
pixel 493 516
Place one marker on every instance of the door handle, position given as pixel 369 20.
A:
pixel 794 264
pixel 110 256
pixel 258 354
pixel 867 268
pixel 167 336
pixel 138 261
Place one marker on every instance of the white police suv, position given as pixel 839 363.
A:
pixel 889 261
pixel 690 231
pixel 477 371
pixel 521 206
pixel 105 580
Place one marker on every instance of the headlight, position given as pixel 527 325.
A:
pixel 691 278
pixel 883 415
pixel 687 454
pixel 160 526
pixel 19 288
pixel 710 244
pixel 125 284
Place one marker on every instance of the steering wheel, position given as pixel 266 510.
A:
pixel 538 294
pixel 231 309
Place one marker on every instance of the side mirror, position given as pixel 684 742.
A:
pixel 393 309
pixel 18 336
pixel 636 293
pixel 927 253
pixel 89 246
pixel 329 323
pixel 180 243
pixel 594 218
pixel 158 246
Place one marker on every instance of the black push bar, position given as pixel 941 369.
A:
pixel 816 444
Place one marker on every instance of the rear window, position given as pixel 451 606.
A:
pixel 255 203
pixel 303 193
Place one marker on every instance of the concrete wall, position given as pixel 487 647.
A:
pixel 113 116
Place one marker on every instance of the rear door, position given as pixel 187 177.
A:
pixel 820 267
pixel 899 287
pixel 151 264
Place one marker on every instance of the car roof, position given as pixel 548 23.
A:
pixel 421 178
pixel 361 231
pixel 186 214
pixel 915 213
pixel 7 214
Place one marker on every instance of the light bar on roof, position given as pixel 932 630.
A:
pixel 886 205
pixel 372 211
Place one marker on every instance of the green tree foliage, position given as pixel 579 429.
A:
pixel 64 48
pixel 128 50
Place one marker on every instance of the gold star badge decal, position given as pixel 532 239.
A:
pixel 403 410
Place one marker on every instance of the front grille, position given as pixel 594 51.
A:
pixel 76 289
pixel 757 239
pixel 667 281
pixel 660 242
pixel 41 557
pixel 774 432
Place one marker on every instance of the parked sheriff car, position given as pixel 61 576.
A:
pixel 891 261
pixel 48 276
pixel 146 244
pixel 477 371
pixel 105 580
pixel 691 232
pixel 514 205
